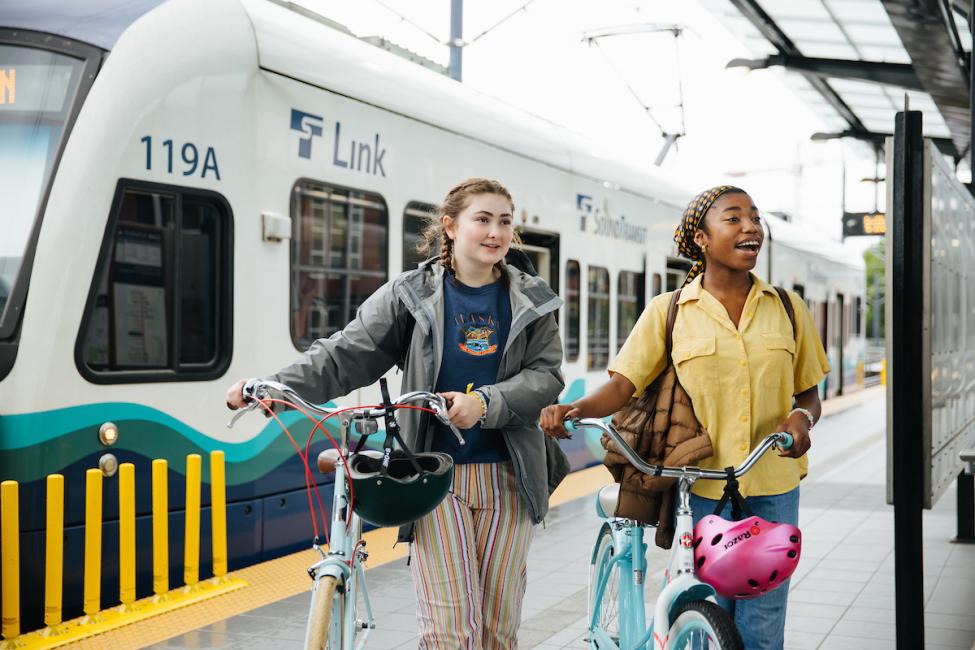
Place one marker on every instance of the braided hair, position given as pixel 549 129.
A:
pixel 692 221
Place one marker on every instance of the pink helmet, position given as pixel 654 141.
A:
pixel 745 559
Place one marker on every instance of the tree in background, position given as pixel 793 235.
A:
pixel 875 259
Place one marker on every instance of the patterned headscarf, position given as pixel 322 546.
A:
pixel 691 221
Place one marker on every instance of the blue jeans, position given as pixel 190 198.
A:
pixel 760 621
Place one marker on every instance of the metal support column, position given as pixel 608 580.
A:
pixel 907 282
pixel 456 38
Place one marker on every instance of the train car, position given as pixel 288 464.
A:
pixel 196 191
pixel 833 284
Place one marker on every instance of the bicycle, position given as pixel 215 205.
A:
pixel 338 577
pixel 686 614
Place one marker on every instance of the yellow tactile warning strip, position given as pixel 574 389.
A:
pixel 275 580
pixel 86 627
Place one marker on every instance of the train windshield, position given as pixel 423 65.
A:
pixel 37 92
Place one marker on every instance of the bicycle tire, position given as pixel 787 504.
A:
pixel 702 620
pixel 609 601
pixel 321 613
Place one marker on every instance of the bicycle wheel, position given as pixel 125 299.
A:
pixel 703 625
pixel 607 603
pixel 320 618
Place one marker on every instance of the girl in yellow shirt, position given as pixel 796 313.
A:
pixel 747 371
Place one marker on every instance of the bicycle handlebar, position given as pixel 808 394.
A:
pixel 259 389
pixel 783 440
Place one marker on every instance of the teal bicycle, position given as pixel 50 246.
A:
pixel 686 614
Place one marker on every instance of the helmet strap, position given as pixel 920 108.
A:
pixel 731 493
pixel 392 433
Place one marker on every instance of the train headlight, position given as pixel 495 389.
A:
pixel 108 464
pixel 108 434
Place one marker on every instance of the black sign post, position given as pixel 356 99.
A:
pixel 907 284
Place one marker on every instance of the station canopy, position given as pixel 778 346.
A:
pixel 853 61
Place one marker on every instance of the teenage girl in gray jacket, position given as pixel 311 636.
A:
pixel 465 318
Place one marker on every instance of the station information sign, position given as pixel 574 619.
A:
pixel 864 223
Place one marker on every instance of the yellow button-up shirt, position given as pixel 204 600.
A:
pixel 742 380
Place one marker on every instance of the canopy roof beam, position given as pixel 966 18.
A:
pixel 893 74
pixel 927 35
pixel 764 23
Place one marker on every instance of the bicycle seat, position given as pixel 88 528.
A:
pixel 606 500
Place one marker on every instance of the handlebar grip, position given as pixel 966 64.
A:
pixel 785 441
pixel 570 425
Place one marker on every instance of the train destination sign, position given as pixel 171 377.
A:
pixel 856 224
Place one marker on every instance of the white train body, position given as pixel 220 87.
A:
pixel 249 139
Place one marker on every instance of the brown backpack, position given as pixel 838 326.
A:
pixel 661 427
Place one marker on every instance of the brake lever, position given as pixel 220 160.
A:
pixel 442 416
pixel 240 412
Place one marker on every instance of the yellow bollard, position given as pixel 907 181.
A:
pixel 160 528
pixel 191 547
pixel 218 513
pixel 54 543
pixel 10 552
pixel 126 533
pixel 93 541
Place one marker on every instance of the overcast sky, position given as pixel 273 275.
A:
pixel 747 128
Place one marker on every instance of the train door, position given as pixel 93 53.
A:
pixel 630 292
pixel 676 272
pixel 827 333
pixel 542 248
pixel 843 315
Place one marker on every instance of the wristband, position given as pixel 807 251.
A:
pixel 483 401
pixel 807 413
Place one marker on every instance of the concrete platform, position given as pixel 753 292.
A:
pixel 842 595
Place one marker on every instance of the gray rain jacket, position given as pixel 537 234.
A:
pixel 383 335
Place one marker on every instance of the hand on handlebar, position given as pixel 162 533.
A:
pixel 552 418
pixel 798 427
pixel 464 409
pixel 235 396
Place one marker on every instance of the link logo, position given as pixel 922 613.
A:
pixel 351 148
pixel 310 125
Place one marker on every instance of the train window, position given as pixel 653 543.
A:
pixel 597 340
pixel 857 316
pixel 572 299
pixel 657 284
pixel 629 304
pixel 415 218
pixel 161 305
pixel 338 257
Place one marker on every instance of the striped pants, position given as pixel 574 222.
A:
pixel 469 560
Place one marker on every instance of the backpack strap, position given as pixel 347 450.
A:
pixel 789 309
pixel 671 317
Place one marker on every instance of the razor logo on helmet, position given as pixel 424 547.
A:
pixel 753 531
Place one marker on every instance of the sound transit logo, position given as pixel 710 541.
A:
pixel 310 125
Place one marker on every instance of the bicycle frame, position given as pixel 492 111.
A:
pixel 345 557
pixel 629 555
pixel 344 561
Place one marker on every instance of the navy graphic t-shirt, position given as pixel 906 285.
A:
pixel 476 324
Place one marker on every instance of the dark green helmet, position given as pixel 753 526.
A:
pixel 401 496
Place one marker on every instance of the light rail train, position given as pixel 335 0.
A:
pixel 195 191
